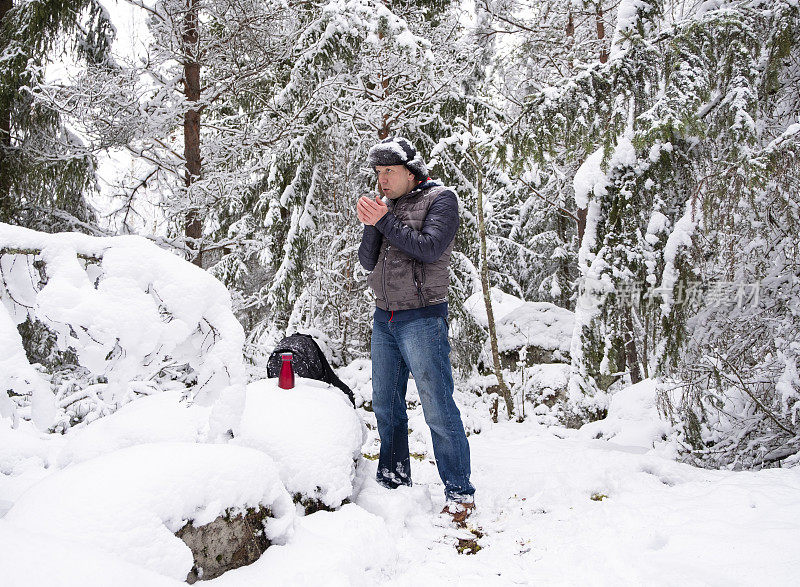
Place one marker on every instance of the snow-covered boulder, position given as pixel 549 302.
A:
pixel 163 417
pixel 502 304
pixel 312 433
pixel 132 502
pixel 543 328
pixel 530 332
pixel 633 418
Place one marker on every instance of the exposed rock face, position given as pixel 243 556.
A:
pixel 226 543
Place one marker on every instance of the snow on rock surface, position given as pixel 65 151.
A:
pixel 162 417
pixel 327 548
pixel 633 418
pixel 311 431
pixel 520 323
pixel 502 304
pixel 539 324
pixel 130 502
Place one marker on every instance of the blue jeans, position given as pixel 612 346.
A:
pixel 421 347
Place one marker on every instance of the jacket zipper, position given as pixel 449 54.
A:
pixel 385 256
pixel 422 268
pixel 418 283
pixel 385 295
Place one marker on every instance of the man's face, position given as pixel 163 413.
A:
pixel 394 180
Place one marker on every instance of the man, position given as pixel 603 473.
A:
pixel 407 241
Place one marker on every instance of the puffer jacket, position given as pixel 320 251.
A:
pixel 408 250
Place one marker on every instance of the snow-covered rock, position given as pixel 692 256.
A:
pixel 162 417
pixel 311 431
pixel 543 329
pixel 536 324
pixel 633 418
pixel 502 304
pixel 131 502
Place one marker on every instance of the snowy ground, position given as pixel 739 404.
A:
pixel 555 506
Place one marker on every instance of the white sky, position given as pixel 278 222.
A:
pixel 131 28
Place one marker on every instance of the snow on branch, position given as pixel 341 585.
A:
pixel 134 316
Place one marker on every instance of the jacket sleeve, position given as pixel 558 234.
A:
pixel 370 248
pixel 438 229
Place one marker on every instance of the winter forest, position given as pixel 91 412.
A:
pixel 178 187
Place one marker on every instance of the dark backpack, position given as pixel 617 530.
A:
pixel 308 361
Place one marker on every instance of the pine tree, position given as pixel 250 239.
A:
pixel 545 43
pixel 45 171
pixel 683 120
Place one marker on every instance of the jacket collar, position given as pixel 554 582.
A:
pixel 420 187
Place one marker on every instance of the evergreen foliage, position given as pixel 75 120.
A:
pixel 45 171
pixel 357 72
pixel 687 114
pixel 646 178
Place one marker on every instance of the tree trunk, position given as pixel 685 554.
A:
pixel 570 39
pixel 487 298
pixel 601 31
pixel 386 127
pixel 5 140
pixel 645 358
pixel 581 224
pixel 191 123
pixel 631 355
pixel 601 35
pixel 563 272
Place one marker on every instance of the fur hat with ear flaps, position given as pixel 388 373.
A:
pixel 398 151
